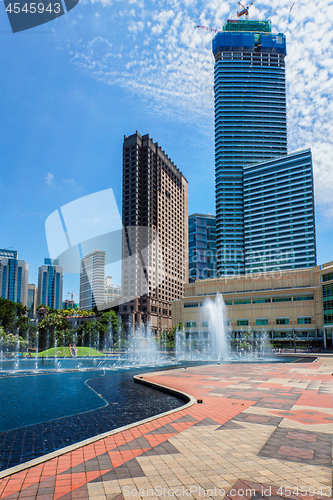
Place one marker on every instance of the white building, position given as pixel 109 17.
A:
pixel 92 274
pixel 112 292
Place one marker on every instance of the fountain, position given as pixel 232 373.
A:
pixel 215 342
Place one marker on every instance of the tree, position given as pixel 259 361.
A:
pixel 13 317
pixel 54 329
pixel 170 336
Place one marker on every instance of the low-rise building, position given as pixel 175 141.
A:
pixel 287 305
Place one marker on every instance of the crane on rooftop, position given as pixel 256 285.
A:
pixel 245 10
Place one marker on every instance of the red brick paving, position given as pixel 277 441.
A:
pixel 55 479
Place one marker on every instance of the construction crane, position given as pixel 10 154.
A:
pixel 72 298
pixel 208 29
pixel 245 10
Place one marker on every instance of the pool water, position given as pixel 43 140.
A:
pixel 43 413
pixel 34 399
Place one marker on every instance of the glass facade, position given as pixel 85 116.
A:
pixel 328 303
pixel 50 277
pixel 13 277
pixel 250 123
pixel 279 222
pixel 202 246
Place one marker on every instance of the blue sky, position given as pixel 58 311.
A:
pixel 72 88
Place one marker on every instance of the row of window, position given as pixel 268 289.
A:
pixel 259 322
pixel 259 300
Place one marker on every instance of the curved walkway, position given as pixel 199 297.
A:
pixel 261 431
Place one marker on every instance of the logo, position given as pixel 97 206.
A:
pixel 93 224
pixel 24 15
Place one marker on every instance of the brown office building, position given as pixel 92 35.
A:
pixel 155 241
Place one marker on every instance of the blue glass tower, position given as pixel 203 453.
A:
pixel 250 123
pixel 201 246
pixel 50 277
pixel 279 219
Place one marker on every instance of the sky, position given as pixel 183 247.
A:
pixel 72 88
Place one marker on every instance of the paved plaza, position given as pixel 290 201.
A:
pixel 261 431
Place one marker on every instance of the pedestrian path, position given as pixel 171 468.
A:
pixel 261 431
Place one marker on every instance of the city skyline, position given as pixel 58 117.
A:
pixel 55 146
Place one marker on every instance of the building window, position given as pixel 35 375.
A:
pixel 191 324
pixel 303 297
pixel 190 304
pixel 281 299
pixel 282 321
pixel 304 321
pixel 261 322
pixel 328 277
pixel 242 301
pixel 261 300
pixel 242 322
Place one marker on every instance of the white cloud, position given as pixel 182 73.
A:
pixel 171 65
pixel 49 178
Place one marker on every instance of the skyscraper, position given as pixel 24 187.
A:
pixel 279 219
pixel 92 277
pixel 250 123
pixel 201 246
pixel 155 245
pixel 13 277
pixel 50 277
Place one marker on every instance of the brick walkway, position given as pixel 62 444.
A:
pixel 262 431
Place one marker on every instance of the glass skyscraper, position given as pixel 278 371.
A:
pixel 201 246
pixel 279 221
pixel 50 277
pixel 13 277
pixel 250 123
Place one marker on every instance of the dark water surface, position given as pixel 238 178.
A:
pixel 42 413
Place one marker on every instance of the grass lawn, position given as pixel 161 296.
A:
pixel 62 352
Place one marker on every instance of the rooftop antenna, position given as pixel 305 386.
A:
pixel 245 10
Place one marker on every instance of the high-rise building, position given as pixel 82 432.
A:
pixel 92 277
pixel 279 219
pixel 13 277
pixel 155 245
pixel 250 123
pixel 201 246
pixel 32 300
pixel 111 291
pixel 50 277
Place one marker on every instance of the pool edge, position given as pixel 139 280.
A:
pixel 191 400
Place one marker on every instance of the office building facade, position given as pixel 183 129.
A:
pixel 295 305
pixel 92 275
pixel 201 246
pixel 250 123
pixel 13 277
pixel 155 243
pixel 279 218
pixel 50 281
